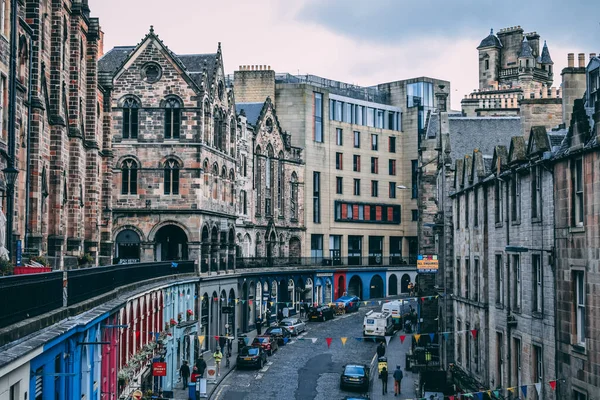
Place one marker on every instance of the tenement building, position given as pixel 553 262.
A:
pixel 173 130
pixel 51 124
pixel 361 164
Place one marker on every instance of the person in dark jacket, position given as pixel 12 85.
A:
pixel 384 379
pixel 258 324
pixel 222 343
pixel 201 365
pixel 398 380
pixel 381 350
pixel 184 371
pixel 279 316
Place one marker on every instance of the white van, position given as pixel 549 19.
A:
pixel 399 309
pixel 378 324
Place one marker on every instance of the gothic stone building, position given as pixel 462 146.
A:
pixel 173 131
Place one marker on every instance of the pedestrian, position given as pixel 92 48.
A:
pixel 195 375
pixel 184 372
pixel 398 380
pixel 384 378
pixel 222 343
pixel 218 356
pixel 258 324
pixel 381 350
pixel 268 318
pixel 229 346
pixel 279 316
pixel 201 365
pixel 306 310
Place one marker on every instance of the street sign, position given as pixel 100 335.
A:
pixel 159 369
pixel 427 263
pixel 137 395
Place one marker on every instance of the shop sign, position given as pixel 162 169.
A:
pixel 427 263
pixel 159 369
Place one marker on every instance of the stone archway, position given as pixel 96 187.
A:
pixel 393 285
pixel 355 286
pixel 127 247
pixel 376 287
pixel 170 243
pixel 404 281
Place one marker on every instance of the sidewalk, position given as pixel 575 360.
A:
pixel 395 354
pixel 180 394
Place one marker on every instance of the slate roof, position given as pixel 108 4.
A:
pixel 112 60
pixel 526 50
pixel 252 111
pixel 545 57
pixel 490 41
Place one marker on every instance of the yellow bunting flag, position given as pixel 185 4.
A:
pixel 271 303
pixel 417 336
pixel 236 301
pixel 511 389
pixel 201 339
pixel 365 303
pixel 344 340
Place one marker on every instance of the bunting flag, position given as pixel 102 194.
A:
pixel 489 393
pixel 431 337
pixel 250 302
pixel 496 393
pixel 450 397
pixel 246 341
pixel 446 335
pixel 379 302
pixel 174 265
pixel 344 341
pixel 314 340
pixel 524 390
pixel 511 389
pixel 157 334
pixel 423 299
pixel 480 395
pixel 552 384
pixel 236 301
pixel 285 340
pixel 359 339
pixel 417 337
pixel 474 333
pixel 387 340
pixel 216 337
pixel 366 302
pixel 538 387
pixel 271 303
pixel 328 340
pixel 201 339
pixel 402 337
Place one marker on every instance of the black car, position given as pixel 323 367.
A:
pixel 355 376
pixel 250 356
pixel 280 333
pixel 321 313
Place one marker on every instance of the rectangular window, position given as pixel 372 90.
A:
pixel 517 362
pixel 515 192
pixel 370 116
pixel 339 185
pixel 517 292
pixel 476 207
pixel 414 170
pixel 467 211
pixel 499 280
pixel 339 110
pixel 331 110
pixel 538 367
pixel 392 144
pixel 536 267
pixel 357 187
pixel 468 341
pixel 392 167
pixel 374 142
pixel 3 102
pixel 392 190
pixel 458 277
pixel 536 196
pixel 476 279
pixel 2 16
pixel 374 165
pixel 577 395
pixel 499 359
pixel 348 108
pixel 498 202
pixel 580 294
pixel 577 188
pixel 318 117
pixel 39 384
pixel 244 202
pixel 339 136
pixel 467 278
pixel 357 139
pixel 356 163
pixel 415 215
pixel 244 165
pixel 354 250
pixel 317 197
pixel 316 247
pixel 379 118
pixel 459 352
pixel 339 158
pixel 374 188
pixel 15 392
pixel 335 248
pixel 359 115
pixel 457 212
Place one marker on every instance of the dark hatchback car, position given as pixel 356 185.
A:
pixel 251 357
pixel 321 313
pixel 280 334
pixel 351 303
pixel 355 376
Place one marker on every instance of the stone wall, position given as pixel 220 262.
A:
pixel 254 83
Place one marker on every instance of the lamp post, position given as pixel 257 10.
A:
pixel 10 177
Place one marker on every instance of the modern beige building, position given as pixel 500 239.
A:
pixel 361 160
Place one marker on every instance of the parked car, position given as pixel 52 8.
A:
pixel 355 376
pixel 280 333
pixel 250 356
pixel 267 342
pixel 294 325
pixel 320 313
pixel 351 303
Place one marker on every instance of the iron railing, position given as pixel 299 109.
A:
pixel 26 296
pixel 319 262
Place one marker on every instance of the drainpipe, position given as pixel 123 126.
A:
pixel 508 291
pixel 27 176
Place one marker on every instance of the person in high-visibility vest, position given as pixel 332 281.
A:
pixel 218 356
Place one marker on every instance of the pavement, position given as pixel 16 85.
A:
pixel 395 353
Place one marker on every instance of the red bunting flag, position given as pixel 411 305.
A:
pixel 552 385
pixel 250 302
pixel 423 299
pixel 216 338
pixel 450 397
pixel 402 337
pixel 474 333
pixel 328 340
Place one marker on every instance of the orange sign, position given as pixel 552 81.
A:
pixel 137 395
pixel 427 263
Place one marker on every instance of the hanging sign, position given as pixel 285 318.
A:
pixel 427 263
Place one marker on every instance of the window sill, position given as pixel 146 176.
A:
pixel 498 224
pixel 537 314
pixel 516 222
pixel 579 349
pixel 576 229
pixel 536 220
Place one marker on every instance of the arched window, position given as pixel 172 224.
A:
pixel 270 167
pixel 206 171
pixel 218 133
pixel 23 57
pixel 129 177
pixel 130 118
pixel 206 123
pixel 258 179
pixel 215 188
pixel 223 184
pixel 294 197
pixel 171 182
pixel 172 118
pixel 231 187
pixel 280 180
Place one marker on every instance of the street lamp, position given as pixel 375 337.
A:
pixel 10 177
pixel 401 187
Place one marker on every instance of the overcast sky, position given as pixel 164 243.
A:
pixel 364 42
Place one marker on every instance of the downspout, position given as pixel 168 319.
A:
pixel 28 167
pixel 508 291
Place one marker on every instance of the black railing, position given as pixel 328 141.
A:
pixel 318 262
pixel 26 296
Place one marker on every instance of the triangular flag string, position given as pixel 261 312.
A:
pixel 344 339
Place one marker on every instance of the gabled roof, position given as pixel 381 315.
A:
pixel 538 141
pixel 251 110
pixel 490 41
pixel 517 150
pixel 545 57
pixel 197 64
pixel 499 159
pixel 526 50
pixel 478 168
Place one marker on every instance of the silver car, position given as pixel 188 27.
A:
pixel 294 325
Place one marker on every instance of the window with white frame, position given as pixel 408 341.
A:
pixel 577 196
pixel 339 136
pixel 536 192
pixel 579 280
pixel 536 267
pixel 517 292
pixel 515 192
pixel 499 280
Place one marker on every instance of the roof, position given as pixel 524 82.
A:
pixel 252 111
pixel 490 41
pixel 545 57
pixel 195 64
pixel 526 50
pixel 112 60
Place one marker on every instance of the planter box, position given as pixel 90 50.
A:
pixel 31 270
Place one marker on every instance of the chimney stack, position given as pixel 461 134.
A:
pixel 571 60
pixel 592 55
pixel 581 60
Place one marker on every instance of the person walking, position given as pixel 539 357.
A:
pixel 258 324
pixel 222 343
pixel 381 350
pixel 268 317
pixel 201 365
pixel 218 356
pixel 184 371
pixel 398 380
pixel 384 379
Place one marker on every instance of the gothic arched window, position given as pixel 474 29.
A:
pixel 270 170
pixel 171 182
pixel 258 179
pixel 231 187
pixel 294 197
pixel 172 118
pixel 218 129
pixel 130 118
pixel 129 177
pixel 280 180
pixel 215 188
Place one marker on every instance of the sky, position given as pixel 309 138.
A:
pixel 355 41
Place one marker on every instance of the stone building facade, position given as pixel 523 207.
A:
pixel 173 131
pixel 504 281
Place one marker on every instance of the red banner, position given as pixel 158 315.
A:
pixel 159 369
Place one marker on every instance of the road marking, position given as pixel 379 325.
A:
pixel 259 376
pixel 220 391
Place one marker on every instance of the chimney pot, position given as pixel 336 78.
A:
pixel 592 55
pixel 581 59
pixel 571 60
